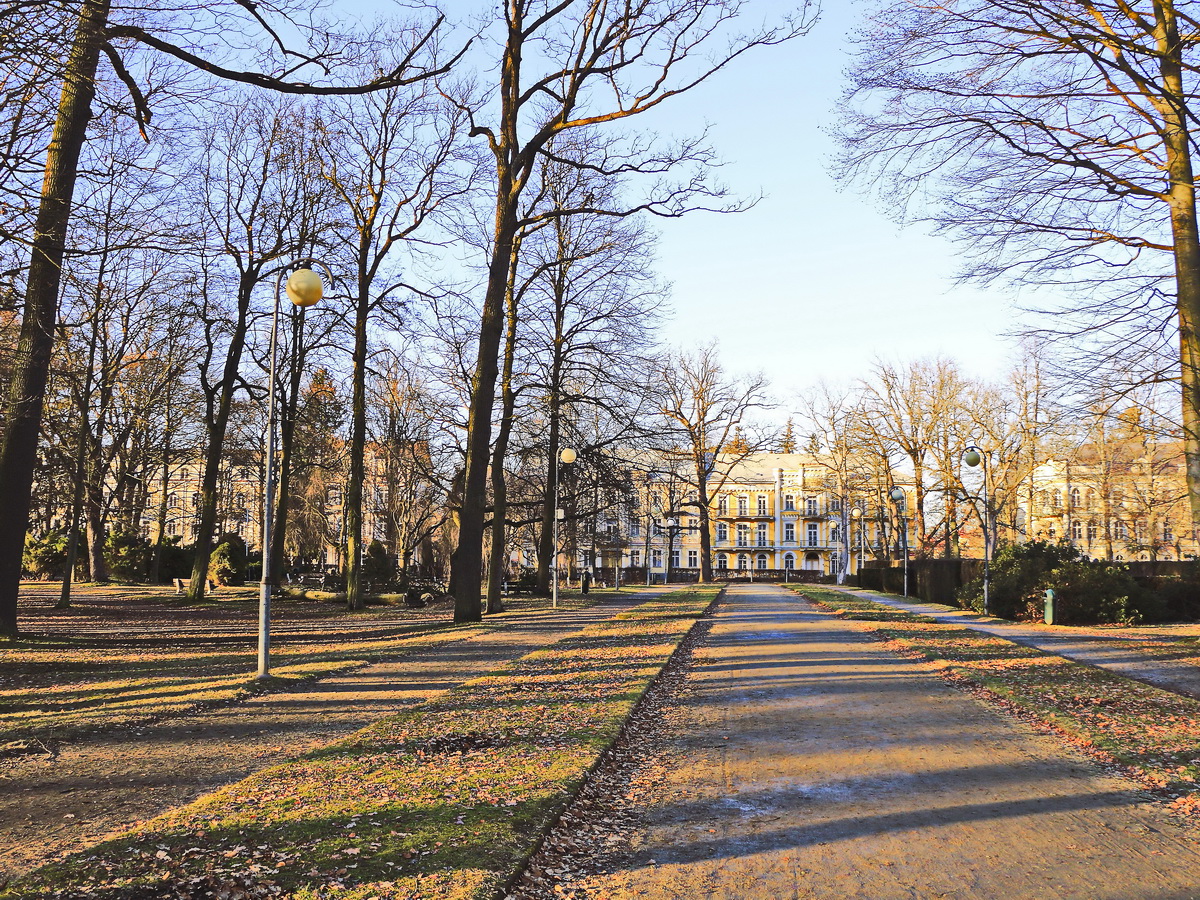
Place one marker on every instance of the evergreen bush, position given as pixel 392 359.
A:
pixel 228 565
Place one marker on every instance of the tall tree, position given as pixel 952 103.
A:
pixel 564 66
pixel 1056 140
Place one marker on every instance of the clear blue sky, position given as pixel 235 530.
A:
pixel 812 283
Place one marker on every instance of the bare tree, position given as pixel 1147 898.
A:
pixel 566 66
pixel 703 408
pixel 1055 139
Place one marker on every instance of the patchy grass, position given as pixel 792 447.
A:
pixel 123 656
pixel 444 801
pixel 1153 733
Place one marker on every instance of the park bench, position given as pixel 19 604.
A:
pixel 181 585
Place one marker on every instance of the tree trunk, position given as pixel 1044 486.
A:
pixel 217 428
pixel 31 363
pixel 1182 199
pixel 353 498
pixel 467 561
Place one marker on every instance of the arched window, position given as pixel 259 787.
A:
pixel 789 561
pixel 835 562
pixel 172 500
pixel 1076 498
pixel 1077 530
pixel 762 560
pixel 1091 499
pixel 743 561
pixel 1092 531
pixel 722 561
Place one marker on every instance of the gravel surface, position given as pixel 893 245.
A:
pixel 797 759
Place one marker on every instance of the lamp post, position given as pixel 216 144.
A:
pixel 566 456
pixel 304 289
pixel 973 456
pixel 856 520
pixel 897 495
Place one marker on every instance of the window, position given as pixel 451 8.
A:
pixel 635 557
pixel 172 500
pixel 789 532
pixel 1091 531
pixel 635 528
pixel 693 559
pixel 762 534
pixel 656 558
pixel 1056 498
pixel 1076 498
pixel 1077 531
pixel 722 532
pixel 1091 499
pixel 835 562
pixel 674 559
pixel 1052 532
pixel 835 534
pixel 812 535
pixel 1139 530
pixel 611 528
pixel 789 502
pixel 722 561
pixel 1121 531
pixel 1168 535
pixel 172 528
pixel 195 499
pixel 743 535
pixel 743 561
pixel 723 506
pixel 812 508
pixel 789 561
pixel 743 506
pixel 835 504
pixel 762 504
pixel 762 561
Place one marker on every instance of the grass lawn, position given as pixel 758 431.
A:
pixel 444 801
pixel 121 657
pixel 1151 732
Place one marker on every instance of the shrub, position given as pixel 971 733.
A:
pixel 377 564
pixel 1017 575
pixel 45 554
pixel 1095 593
pixel 228 565
pixel 127 555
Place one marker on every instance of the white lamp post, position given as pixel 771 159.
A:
pixel 973 457
pixel 897 495
pixel 303 289
pixel 566 456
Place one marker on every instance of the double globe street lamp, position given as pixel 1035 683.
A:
pixel 304 289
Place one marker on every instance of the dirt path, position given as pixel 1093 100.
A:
pixel 54 805
pixel 801 761
pixel 1141 654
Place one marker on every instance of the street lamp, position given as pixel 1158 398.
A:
pixel 973 457
pixel 897 495
pixel 304 289
pixel 566 456
pixel 856 519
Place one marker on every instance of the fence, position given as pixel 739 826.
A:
pixel 931 580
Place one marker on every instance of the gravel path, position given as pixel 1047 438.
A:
pixel 1141 654
pixel 51 805
pixel 799 760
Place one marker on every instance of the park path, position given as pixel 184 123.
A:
pixel 54 805
pixel 803 761
pixel 1138 653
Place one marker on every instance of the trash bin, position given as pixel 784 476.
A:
pixel 1048 615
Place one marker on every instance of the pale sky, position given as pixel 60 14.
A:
pixel 813 283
